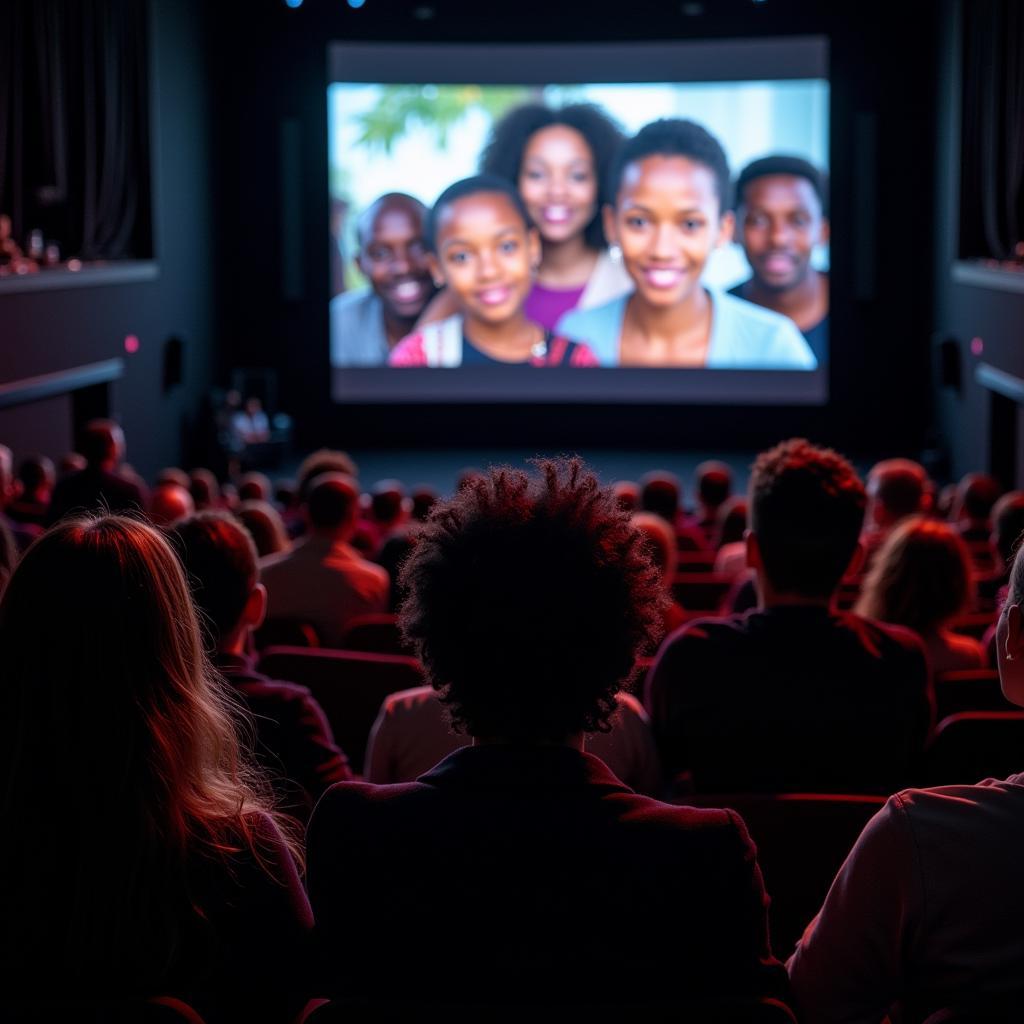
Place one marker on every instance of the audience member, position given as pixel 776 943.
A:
pixel 1007 530
pixel 266 526
pixel 322 580
pixel 927 911
pixel 36 479
pixel 294 744
pixel 794 696
pixel 8 554
pixel 922 579
pixel 323 460
pixel 626 495
pixel 254 487
pixel 100 485
pixel 168 503
pixel 662 551
pixel 174 475
pixel 714 485
pixel 205 490
pixel 529 602
pixel 976 496
pixel 250 424
pixel 662 494
pixel 897 488
pixel 731 559
pixel 424 498
pixel 20 534
pixel 387 512
pixel 147 859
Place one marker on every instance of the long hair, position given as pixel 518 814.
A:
pixel 921 576
pixel 120 765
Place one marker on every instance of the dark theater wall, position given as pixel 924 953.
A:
pixel 53 330
pixel 979 313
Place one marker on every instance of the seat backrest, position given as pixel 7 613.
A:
pixel 696 561
pixel 802 840
pixel 727 1010
pixel 972 690
pixel 378 634
pixel 285 633
pixel 349 685
pixel 973 624
pixel 975 745
pixel 701 591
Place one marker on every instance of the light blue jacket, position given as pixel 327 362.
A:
pixel 743 336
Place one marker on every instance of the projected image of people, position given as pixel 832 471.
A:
pixel 782 213
pixel 367 323
pixel 616 240
pixel 669 212
pixel 485 251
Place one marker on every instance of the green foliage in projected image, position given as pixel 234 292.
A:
pixel 433 106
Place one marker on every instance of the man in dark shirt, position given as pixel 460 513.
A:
pixel 782 214
pixel 294 744
pixel 98 485
pixel 794 695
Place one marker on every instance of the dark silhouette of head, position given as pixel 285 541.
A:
pixel 529 598
pixel 920 578
pixel 332 504
pixel 662 494
pixel 222 568
pixel 806 513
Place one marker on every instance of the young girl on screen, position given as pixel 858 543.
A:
pixel 669 212
pixel 485 252
pixel 559 160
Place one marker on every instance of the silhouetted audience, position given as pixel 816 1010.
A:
pixel 168 503
pixel 922 579
pixel 794 696
pixel 205 490
pixel 925 914
pixel 36 479
pixel 143 855
pixel 976 495
pixel 99 485
pixel 662 494
pixel 661 549
pixel 322 580
pixel 714 486
pixel 293 743
pixel 529 599
pixel 896 488
pixel 266 526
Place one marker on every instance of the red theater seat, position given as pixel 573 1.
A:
pixel 802 840
pixel 701 591
pixel 974 690
pixel 349 685
pixel 378 634
pixel 976 745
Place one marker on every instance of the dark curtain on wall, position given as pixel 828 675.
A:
pixel 74 124
pixel 992 130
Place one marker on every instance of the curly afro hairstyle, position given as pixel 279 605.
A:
pixel 529 600
pixel 503 154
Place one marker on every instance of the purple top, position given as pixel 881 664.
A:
pixel 546 306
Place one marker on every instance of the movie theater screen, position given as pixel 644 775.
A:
pixel 608 255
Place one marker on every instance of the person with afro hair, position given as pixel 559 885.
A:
pixel 529 872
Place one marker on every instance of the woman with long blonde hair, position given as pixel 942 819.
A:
pixel 142 855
